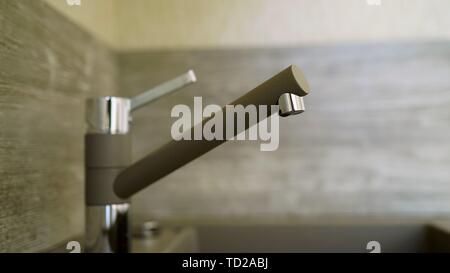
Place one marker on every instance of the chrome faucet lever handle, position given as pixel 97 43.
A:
pixel 162 89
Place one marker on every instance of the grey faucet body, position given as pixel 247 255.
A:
pixel 112 179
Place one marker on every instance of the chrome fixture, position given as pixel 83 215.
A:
pixel 112 115
pixel 108 115
pixel 162 90
pixel 107 228
pixel 290 104
pixel 112 179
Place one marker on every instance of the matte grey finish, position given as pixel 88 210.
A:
pixel 107 151
pixel 106 156
pixel 99 186
pixel 175 154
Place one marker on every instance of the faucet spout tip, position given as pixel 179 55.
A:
pixel 191 77
pixel 291 104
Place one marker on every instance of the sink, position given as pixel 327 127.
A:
pixel 166 240
pixel 169 240
pixel 316 238
pixel 391 238
pixel 311 238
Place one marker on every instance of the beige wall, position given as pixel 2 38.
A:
pixel 96 16
pixel 149 24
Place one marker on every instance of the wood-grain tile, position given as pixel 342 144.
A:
pixel 48 66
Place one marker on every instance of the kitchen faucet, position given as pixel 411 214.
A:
pixel 112 179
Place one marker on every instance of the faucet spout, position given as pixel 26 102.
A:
pixel 286 89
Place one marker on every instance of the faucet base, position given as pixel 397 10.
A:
pixel 108 228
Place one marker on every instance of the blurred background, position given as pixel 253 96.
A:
pixel 374 142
